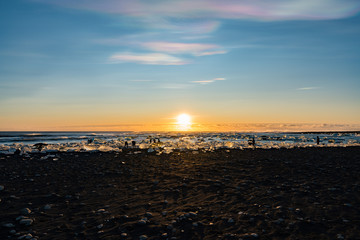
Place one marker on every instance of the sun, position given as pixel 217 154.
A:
pixel 183 119
pixel 183 122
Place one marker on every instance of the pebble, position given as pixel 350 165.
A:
pixel 124 235
pixel 230 220
pixel 142 221
pixel 280 220
pixel 191 214
pixel 250 236
pixel 8 225
pixel 143 237
pixel 100 226
pixel 26 221
pixel 2 187
pixel 26 236
pixel 20 217
pixel 340 236
pixel 47 207
pixel 25 211
pixel 148 214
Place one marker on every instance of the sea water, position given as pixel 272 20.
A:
pixel 166 142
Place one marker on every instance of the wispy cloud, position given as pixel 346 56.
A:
pixel 307 88
pixel 211 53
pixel 208 81
pixel 140 80
pixel 226 9
pixel 196 49
pixel 147 58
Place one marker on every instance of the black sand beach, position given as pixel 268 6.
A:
pixel 303 193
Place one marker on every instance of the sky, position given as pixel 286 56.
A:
pixel 136 64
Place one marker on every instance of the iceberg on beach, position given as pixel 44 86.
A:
pixel 169 142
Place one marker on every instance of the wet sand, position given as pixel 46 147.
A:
pixel 303 193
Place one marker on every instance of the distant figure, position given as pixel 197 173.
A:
pixel 90 140
pixel 126 144
pixel 252 142
pixel 317 140
pixel 158 140
pixel 133 143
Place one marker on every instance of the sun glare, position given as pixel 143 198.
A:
pixel 183 119
pixel 183 122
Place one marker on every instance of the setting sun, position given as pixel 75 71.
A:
pixel 183 122
pixel 183 119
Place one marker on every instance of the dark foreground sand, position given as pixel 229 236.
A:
pixel 309 193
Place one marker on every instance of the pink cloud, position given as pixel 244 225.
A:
pixel 196 49
pixel 149 58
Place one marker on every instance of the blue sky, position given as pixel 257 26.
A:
pixel 73 63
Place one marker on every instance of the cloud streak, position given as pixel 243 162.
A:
pixel 147 58
pixel 208 81
pixel 307 88
pixel 264 10
pixel 196 49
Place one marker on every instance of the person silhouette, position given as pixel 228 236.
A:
pixel 133 143
pixel 317 140
pixel 252 142
pixel 126 144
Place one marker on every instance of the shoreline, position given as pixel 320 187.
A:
pixel 297 193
